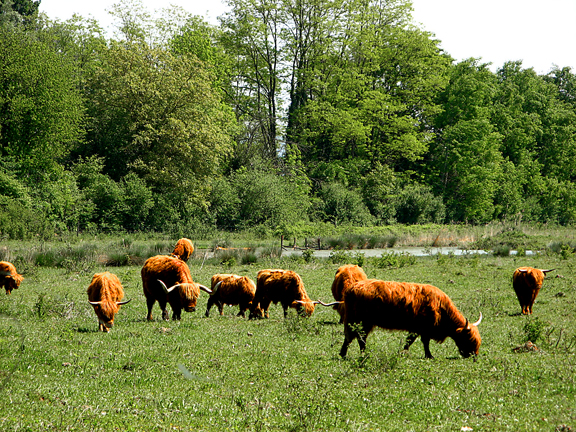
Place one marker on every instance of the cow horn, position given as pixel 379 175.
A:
pixel 546 271
pixel 479 320
pixel 123 302
pixel 94 303
pixel 329 304
pixel 166 289
pixel 216 287
pixel 522 270
pixel 5 273
pixel 205 288
pixel 304 301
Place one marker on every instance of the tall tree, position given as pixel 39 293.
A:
pixel 41 110
pixel 157 114
pixel 252 36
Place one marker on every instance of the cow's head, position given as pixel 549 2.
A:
pixel 468 339
pixel 105 311
pixel 304 307
pixel 188 292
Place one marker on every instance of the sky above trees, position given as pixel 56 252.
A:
pixel 538 33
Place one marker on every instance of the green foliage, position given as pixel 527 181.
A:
pixel 41 104
pixel 340 205
pixel 394 260
pixel 533 328
pixel 254 197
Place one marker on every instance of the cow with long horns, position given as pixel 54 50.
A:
pixel 346 276
pixel 231 289
pixel 9 278
pixel 527 282
pixel 422 310
pixel 105 294
pixel 167 279
pixel 283 286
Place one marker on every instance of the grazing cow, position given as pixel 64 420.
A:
pixel 9 278
pixel 162 270
pixel 346 276
pixel 420 309
pixel 527 282
pixel 284 286
pixel 183 249
pixel 232 290
pixel 105 294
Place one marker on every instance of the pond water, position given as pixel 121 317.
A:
pixel 416 251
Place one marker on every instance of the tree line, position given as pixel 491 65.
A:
pixel 341 112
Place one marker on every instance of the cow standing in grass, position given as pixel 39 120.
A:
pixel 346 276
pixel 422 310
pixel 159 273
pixel 9 278
pixel 284 286
pixel 183 249
pixel 232 290
pixel 527 282
pixel 105 294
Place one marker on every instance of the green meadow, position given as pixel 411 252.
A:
pixel 226 373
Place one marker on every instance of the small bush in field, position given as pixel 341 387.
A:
pixel 533 329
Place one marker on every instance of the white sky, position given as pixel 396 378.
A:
pixel 540 33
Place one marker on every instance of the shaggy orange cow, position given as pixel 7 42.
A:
pixel 183 250
pixel 346 276
pixel 159 273
pixel 231 289
pixel 284 286
pixel 419 309
pixel 9 278
pixel 105 294
pixel 527 282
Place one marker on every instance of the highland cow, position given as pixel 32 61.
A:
pixel 105 294
pixel 284 286
pixel 9 278
pixel 161 271
pixel 346 276
pixel 183 250
pixel 527 282
pixel 231 290
pixel 419 309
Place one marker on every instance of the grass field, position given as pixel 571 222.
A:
pixel 58 373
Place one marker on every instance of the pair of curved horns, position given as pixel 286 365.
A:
pixel 168 290
pixel 543 271
pixel 118 303
pixel 319 302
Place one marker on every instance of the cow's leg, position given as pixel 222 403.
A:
pixel 209 306
pixel 426 343
pixel 165 315
pixel 265 305
pixel 410 340
pixel 350 333
pixel 176 313
pixel 243 308
pixel 220 307
pixel 150 303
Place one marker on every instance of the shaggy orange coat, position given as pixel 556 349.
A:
pixel 284 286
pixel 9 278
pixel 231 289
pixel 184 249
pixel 105 289
pixel 346 276
pixel 172 271
pixel 420 309
pixel 527 282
